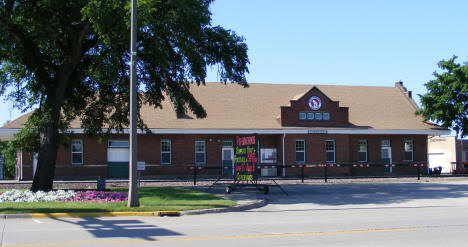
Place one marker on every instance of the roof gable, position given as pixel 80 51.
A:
pixel 314 109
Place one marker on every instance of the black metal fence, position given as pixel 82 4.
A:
pixel 417 168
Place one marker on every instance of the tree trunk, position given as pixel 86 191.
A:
pixel 45 171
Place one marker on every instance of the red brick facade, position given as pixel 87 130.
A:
pixel 183 152
pixel 290 114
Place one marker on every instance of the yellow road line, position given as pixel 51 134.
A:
pixel 103 214
pixel 231 237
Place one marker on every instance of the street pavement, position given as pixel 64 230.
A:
pixel 345 214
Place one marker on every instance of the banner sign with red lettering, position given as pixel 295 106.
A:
pixel 246 157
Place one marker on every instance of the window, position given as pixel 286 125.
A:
pixel 300 151
pixel 200 152
pixel 409 150
pixel 118 144
pixel 166 156
pixel 302 116
pixel 318 116
pixel 77 152
pixel 330 150
pixel 268 155
pixel 385 143
pixel 227 143
pixel 362 150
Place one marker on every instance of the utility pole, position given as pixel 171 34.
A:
pixel 132 185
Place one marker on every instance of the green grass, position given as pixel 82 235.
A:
pixel 151 199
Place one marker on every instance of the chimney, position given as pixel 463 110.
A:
pixel 409 94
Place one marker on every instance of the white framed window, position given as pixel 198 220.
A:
pixel 200 152
pixel 77 152
pixel 330 150
pixel 302 116
pixel 166 152
pixel 268 155
pixel 118 143
pixel 408 150
pixel 386 143
pixel 362 150
pixel 318 116
pixel 326 116
pixel 310 116
pixel 300 151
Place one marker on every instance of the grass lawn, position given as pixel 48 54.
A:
pixel 151 199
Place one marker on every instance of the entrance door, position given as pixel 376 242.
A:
pixel 118 155
pixel 228 160
pixel 387 158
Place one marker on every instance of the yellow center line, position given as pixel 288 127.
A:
pixel 229 237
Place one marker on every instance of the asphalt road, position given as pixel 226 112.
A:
pixel 397 214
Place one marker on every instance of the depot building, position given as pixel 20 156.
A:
pixel 295 124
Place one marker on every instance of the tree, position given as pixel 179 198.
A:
pixel 8 152
pixel 446 101
pixel 70 59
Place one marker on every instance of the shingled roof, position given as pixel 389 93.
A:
pixel 230 106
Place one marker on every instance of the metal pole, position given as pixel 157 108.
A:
pixel 419 172
pixel 195 175
pixel 302 174
pixel 326 174
pixel 132 188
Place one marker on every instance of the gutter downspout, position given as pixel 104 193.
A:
pixel 284 159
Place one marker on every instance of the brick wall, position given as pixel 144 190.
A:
pixel 290 114
pixel 95 152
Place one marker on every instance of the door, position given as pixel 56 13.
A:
pixel 118 156
pixel 228 160
pixel 387 158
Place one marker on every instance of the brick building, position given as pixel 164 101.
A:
pixel 295 124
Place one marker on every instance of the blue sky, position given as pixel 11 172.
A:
pixel 370 43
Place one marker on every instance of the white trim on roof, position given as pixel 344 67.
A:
pixel 272 131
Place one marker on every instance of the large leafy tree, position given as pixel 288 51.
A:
pixel 69 59
pixel 446 101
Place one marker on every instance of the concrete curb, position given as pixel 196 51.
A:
pixel 88 214
pixel 237 208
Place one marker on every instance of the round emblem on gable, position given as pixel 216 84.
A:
pixel 315 103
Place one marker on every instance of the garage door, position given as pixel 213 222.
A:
pixel 117 159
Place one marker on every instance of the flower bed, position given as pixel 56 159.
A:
pixel 98 196
pixel 39 196
pixel 62 196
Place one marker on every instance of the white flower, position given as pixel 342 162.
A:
pixel 29 196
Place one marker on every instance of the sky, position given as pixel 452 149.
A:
pixel 366 43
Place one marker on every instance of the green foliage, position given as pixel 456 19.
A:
pixel 446 101
pixel 71 57
pixel 8 151
pixel 151 199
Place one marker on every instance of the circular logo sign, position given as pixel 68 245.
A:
pixel 315 103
